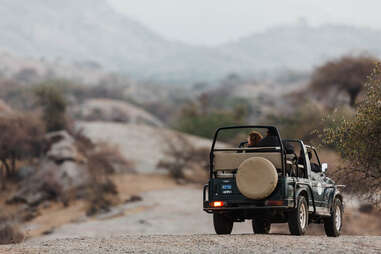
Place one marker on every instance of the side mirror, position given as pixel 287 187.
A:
pixel 324 167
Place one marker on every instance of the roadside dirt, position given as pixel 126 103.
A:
pixel 203 243
pixel 170 219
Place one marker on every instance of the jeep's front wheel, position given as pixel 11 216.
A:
pixel 261 226
pixel 223 224
pixel 333 224
pixel 298 218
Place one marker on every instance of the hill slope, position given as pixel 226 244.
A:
pixel 92 32
pixel 302 46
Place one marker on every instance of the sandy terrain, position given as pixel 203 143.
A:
pixel 170 219
pixel 203 243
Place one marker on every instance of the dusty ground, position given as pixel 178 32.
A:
pixel 178 210
pixel 55 215
pixel 202 243
pixel 170 219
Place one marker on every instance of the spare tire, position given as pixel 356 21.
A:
pixel 256 178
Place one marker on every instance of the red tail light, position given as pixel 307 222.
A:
pixel 217 204
pixel 274 202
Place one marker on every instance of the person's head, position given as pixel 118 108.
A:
pixel 254 138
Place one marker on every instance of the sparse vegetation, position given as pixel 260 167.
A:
pixel 9 231
pixel 345 75
pixel 307 122
pixel 183 157
pixel 21 138
pixel 359 140
pixel 200 119
pixel 103 160
pixel 54 104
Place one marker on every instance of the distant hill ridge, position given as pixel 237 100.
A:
pixel 92 31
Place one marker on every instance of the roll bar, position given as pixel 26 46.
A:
pixel 274 129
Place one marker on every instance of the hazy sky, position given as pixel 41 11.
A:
pixel 211 22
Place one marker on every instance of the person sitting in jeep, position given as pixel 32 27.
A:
pixel 270 140
pixel 253 139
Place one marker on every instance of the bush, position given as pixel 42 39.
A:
pixel 9 231
pixel 199 119
pixel 22 137
pixel 54 104
pixel 104 160
pixel 182 156
pixel 359 141
pixel 307 122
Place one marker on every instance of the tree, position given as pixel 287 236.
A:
pixel 53 102
pixel 21 137
pixel 359 142
pixel 346 74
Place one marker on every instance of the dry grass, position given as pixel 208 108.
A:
pixel 10 234
pixel 185 162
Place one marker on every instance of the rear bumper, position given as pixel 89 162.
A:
pixel 228 206
pixel 241 205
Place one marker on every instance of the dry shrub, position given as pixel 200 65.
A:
pixel 9 231
pixel 110 159
pixel 185 162
pixel 358 140
pixel 103 161
pixel 21 138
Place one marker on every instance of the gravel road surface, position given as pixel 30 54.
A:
pixel 203 243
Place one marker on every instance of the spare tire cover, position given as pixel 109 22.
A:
pixel 256 178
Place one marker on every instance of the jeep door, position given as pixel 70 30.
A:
pixel 318 184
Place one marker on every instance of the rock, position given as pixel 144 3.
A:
pixel 49 231
pixel 25 172
pixel 52 181
pixel 115 111
pixel 133 198
pixel 62 147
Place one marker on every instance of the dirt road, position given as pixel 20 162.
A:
pixel 204 243
pixel 172 221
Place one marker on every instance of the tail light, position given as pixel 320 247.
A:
pixel 217 204
pixel 274 203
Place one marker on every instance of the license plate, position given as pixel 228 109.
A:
pixel 227 187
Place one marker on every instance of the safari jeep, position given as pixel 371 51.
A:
pixel 278 182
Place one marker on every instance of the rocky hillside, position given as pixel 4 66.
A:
pixel 92 34
pixel 302 46
pixel 144 144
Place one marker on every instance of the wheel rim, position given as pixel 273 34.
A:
pixel 302 215
pixel 338 218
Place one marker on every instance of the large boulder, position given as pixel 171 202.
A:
pixel 114 111
pixel 62 147
pixel 52 181
pixel 61 173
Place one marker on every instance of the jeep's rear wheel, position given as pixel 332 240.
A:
pixel 223 224
pixel 261 226
pixel 333 224
pixel 298 218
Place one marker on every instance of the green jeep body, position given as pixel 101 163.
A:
pixel 298 190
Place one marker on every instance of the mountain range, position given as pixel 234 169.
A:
pixel 92 31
